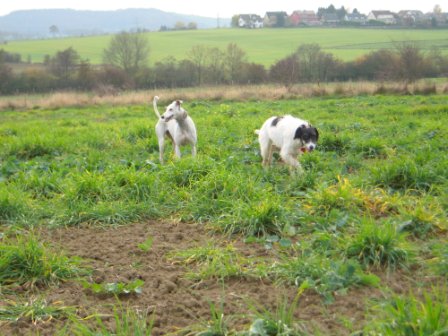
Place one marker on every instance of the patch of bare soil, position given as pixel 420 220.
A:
pixel 177 302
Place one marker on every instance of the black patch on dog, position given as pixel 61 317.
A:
pixel 275 121
pixel 307 134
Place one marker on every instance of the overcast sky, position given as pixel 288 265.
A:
pixel 222 8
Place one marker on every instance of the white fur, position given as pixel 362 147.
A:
pixel 281 137
pixel 176 124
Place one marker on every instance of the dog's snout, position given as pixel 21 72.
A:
pixel 311 147
pixel 163 117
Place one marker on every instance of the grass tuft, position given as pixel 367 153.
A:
pixel 409 315
pixel 126 321
pixel 323 275
pixel 279 321
pixel 212 262
pixel 35 310
pixel 26 262
pixel 378 245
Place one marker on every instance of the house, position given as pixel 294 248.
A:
pixel 356 18
pixel 410 17
pixel 330 18
pixel 387 17
pixel 250 21
pixel 304 17
pixel 275 19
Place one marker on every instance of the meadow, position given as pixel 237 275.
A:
pixel 263 46
pixel 96 236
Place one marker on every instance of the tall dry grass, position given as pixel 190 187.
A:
pixel 216 93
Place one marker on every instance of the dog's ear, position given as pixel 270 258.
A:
pixel 299 132
pixel 179 102
pixel 317 133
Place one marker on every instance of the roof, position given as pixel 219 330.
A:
pixel 330 17
pixel 276 13
pixel 250 16
pixel 308 12
pixel 382 12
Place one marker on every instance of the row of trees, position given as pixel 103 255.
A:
pixel 126 58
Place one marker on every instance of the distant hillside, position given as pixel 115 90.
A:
pixel 36 23
pixel 263 46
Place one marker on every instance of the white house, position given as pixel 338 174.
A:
pixel 250 21
pixel 384 16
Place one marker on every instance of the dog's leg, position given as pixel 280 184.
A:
pixel 290 160
pixel 265 147
pixel 270 153
pixel 177 150
pixel 160 133
pixel 161 149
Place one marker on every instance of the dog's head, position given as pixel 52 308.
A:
pixel 174 110
pixel 308 136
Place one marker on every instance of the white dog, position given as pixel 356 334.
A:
pixel 290 135
pixel 177 125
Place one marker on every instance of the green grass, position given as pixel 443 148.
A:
pixel 345 43
pixel 127 321
pixel 212 262
pixel 373 194
pixel 322 274
pixel 378 245
pixel 27 262
pixel 281 320
pixel 35 310
pixel 115 288
pixel 413 316
pixel 100 165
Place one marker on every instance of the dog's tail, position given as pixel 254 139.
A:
pixel 154 104
pixel 257 132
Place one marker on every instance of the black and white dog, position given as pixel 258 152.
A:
pixel 290 135
pixel 177 125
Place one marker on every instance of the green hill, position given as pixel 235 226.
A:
pixel 263 46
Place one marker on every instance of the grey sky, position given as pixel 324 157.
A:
pixel 224 8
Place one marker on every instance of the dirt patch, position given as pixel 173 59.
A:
pixel 177 302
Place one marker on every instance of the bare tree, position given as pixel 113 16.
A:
pixel 54 30
pixel 315 64
pixel 286 71
pixel 127 51
pixel 215 66
pixel 234 60
pixel 198 56
pixel 180 25
pixel 411 61
pixel 192 25
pixel 64 63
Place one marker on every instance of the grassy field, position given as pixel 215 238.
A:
pixel 92 225
pixel 263 46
